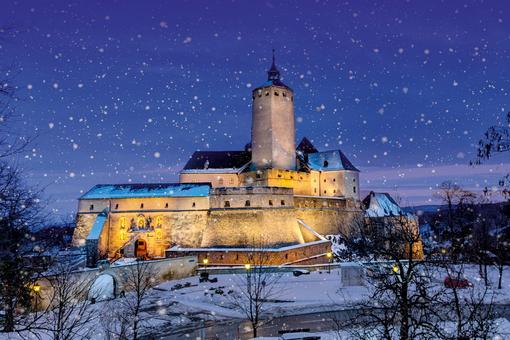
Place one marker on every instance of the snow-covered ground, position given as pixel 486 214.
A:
pixel 183 302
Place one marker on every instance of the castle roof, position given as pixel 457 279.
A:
pixel 330 161
pixel 104 191
pixel 381 204
pixel 273 77
pixel 305 146
pixel 214 160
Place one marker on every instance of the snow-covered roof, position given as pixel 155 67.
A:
pixel 330 160
pixel 381 204
pixel 97 227
pixel 103 191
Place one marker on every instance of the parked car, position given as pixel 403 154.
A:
pixel 457 282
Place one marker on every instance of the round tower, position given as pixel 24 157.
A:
pixel 272 133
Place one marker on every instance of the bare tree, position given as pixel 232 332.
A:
pixel 68 314
pixel 400 299
pixel 20 212
pixel 138 279
pixel 256 287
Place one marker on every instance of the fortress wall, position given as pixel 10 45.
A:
pixel 216 179
pixel 326 216
pixel 165 229
pixel 299 181
pixel 84 223
pixel 256 197
pixel 149 203
pixel 238 227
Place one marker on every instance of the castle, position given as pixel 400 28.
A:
pixel 282 197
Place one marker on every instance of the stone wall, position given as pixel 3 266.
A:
pixel 238 227
pixel 217 179
pixel 326 216
pixel 308 253
pixel 254 197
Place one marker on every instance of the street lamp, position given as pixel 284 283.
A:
pixel 329 255
pixel 205 261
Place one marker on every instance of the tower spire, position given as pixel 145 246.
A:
pixel 273 73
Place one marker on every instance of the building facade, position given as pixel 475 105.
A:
pixel 288 197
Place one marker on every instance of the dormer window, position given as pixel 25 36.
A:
pixel 326 163
pixel 91 207
pixel 276 93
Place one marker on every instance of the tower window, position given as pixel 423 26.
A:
pixel 247 203
pixel 227 204
pixel 276 93
pixel 267 93
pixel 354 189
pixel 282 202
pixel 354 180
pixel 91 207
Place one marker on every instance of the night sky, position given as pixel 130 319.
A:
pixel 125 91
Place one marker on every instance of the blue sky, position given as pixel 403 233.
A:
pixel 125 91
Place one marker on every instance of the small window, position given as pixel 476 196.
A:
pixel 271 202
pixel 334 191
pixel 324 191
pixel 267 93
pixel 276 93
pixel 300 177
pixel 117 206
pixel 247 203
pixel 193 205
pixel 326 163
pixel 91 207
pixel 286 256
pixel 354 189
pixel 227 204
pixel 315 190
pixel 334 179
pixel 282 202
pixel 258 176
pixel 237 256
pixel 279 175
pixel 141 206
pixel 291 177
pixel 166 205
pixel 354 180
pixel 324 180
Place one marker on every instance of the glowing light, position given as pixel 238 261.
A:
pixel 247 266
pixel 36 288
pixel 329 255
pixel 206 261
pixel 395 268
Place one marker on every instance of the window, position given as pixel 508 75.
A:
pixel 227 204
pixel 141 206
pixel 271 202
pixel 326 163
pixel 354 180
pixel 267 93
pixel 276 93
pixel 324 180
pixel 91 207
pixel 282 202
pixel 286 256
pixel 258 176
pixel 193 205
pixel 117 206
pixel 334 179
pixel 247 203
pixel 324 191
pixel 166 205
pixel 123 222
pixel 354 189
pixel 279 175
pixel 291 177
pixel 334 191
